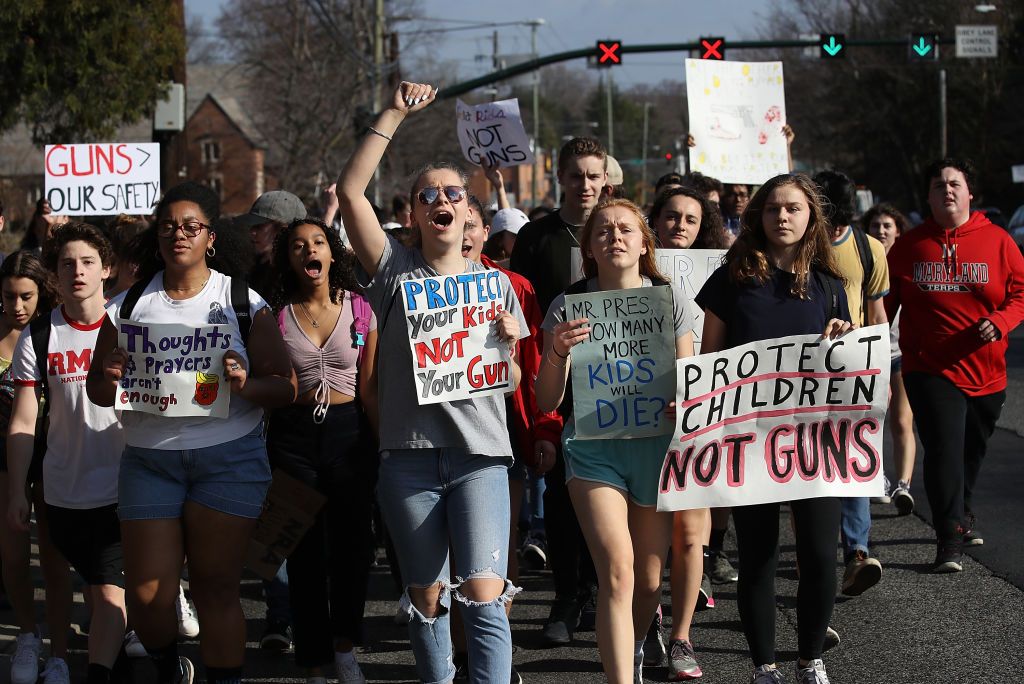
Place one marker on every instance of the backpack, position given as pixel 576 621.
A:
pixel 361 314
pixel 239 302
pixel 39 329
pixel 830 286
pixel 867 264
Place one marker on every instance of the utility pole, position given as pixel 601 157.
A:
pixel 942 113
pixel 536 111
pixel 375 79
pixel 643 169
pixel 608 99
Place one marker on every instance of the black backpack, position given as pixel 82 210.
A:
pixel 867 264
pixel 239 302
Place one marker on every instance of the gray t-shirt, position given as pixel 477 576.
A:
pixel 680 312
pixel 474 425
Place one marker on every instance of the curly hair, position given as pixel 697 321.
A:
pixel 72 232
pixel 747 259
pixel 340 277
pixel 191 191
pixel 27 264
pixel 648 263
pixel 232 251
pixel 885 209
pixel 711 234
pixel 703 184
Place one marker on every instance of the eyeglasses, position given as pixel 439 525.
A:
pixel 429 195
pixel 189 228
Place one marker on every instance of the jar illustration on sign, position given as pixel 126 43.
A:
pixel 206 388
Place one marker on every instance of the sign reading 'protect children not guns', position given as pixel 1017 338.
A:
pixel 174 370
pixel 455 353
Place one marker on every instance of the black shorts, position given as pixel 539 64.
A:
pixel 35 469
pixel 90 539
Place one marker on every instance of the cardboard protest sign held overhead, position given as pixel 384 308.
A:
pixel 455 353
pixel 101 179
pixel 687 269
pixel 777 420
pixel 493 131
pixel 623 375
pixel 174 370
pixel 737 111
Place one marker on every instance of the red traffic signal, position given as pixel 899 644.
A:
pixel 668 156
pixel 712 48
pixel 609 52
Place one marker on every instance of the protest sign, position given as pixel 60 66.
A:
pixel 288 513
pixel 493 131
pixel 174 370
pixel 455 353
pixel 778 420
pixel 687 269
pixel 737 111
pixel 623 375
pixel 84 180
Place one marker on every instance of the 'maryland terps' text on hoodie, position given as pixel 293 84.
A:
pixel 947 281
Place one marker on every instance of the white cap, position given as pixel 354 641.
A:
pixel 508 219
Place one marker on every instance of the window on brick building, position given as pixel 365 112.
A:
pixel 216 183
pixel 211 151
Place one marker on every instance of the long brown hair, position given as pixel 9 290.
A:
pixel 648 264
pixel 26 264
pixel 748 257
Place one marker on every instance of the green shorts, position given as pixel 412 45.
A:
pixel 631 465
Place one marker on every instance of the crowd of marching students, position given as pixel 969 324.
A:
pixel 133 501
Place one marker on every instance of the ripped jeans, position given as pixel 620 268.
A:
pixel 431 496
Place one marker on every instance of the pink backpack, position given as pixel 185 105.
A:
pixel 361 314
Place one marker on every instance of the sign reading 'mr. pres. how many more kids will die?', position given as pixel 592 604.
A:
pixel 623 374
pixel 777 420
pixel 174 370
pixel 455 352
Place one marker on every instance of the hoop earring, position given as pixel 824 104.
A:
pixel 211 251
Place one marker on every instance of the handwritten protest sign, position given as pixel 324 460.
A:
pixel 778 420
pixel 108 178
pixel 174 370
pixel 455 353
pixel 493 131
pixel 623 375
pixel 737 111
pixel 687 269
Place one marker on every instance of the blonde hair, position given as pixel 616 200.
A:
pixel 648 265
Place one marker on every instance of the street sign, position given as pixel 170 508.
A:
pixel 832 45
pixel 924 47
pixel 977 41
pixel 609 53
pixel 712 47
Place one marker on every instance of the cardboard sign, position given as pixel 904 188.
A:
pixel 455 353
pixel 623 375
pixel 174 370
pixel 85 180
pixel 687 269
pixel 288 513
pixel 493 131
pixel 777 420
pixel 737 111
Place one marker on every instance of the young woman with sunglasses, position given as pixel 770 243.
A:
pixel 192 486
pixel 444 467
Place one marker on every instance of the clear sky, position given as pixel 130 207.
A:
pixel 569 25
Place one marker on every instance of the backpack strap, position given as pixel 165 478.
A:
pixel 829 286
pixel 361 314
pixel 131 298
pixel 579 287
pixel 39 328
pixel 867 263
pixel 240 303
pixel 281 324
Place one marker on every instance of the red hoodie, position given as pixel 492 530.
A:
pixel 946 282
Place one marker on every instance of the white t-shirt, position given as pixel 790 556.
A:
pixel 211 305
pixel 85 441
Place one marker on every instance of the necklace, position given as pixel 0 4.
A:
pixel 312 321
pixel 187 289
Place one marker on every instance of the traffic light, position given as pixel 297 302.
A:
pixel 924 47
pixel 668 158
pixel 833 45
pixel 712 47
pixel 609 53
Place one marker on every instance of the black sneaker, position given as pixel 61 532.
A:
pixel 276 637
pixel 534 551
pixel 705 597
pixel 588 609
pixel 461 662
pixel 718 568
pixel 655 650
pixel 948 556
pixel 516 677
pixel 561 622
pixel 971 537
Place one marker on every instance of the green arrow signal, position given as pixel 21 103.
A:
pixel 922 48
pixel 832 47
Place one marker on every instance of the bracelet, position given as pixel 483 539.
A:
pixel 556 365
pixel 559 355
pixel 371 129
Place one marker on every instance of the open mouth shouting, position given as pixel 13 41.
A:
pixel 441 220
pixel 314 268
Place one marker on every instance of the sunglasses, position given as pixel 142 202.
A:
pixel 429 195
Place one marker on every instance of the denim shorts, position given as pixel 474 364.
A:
pixel 630 465
pixel 232 478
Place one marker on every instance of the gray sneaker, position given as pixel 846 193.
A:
pixel 814 673
pixel 719 569
pixel 682 662
pixel 767 674
pixel 902 499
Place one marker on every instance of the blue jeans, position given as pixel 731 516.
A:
pixel 855 525
pixel 432 496
pixel 535 496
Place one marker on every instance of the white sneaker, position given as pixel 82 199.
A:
pixel 638 671
pixel 188 670
pixel 188 625
pixel 348 669
pixel 25 661
pixel 814 673
pixel 133 648
pixel 56 672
